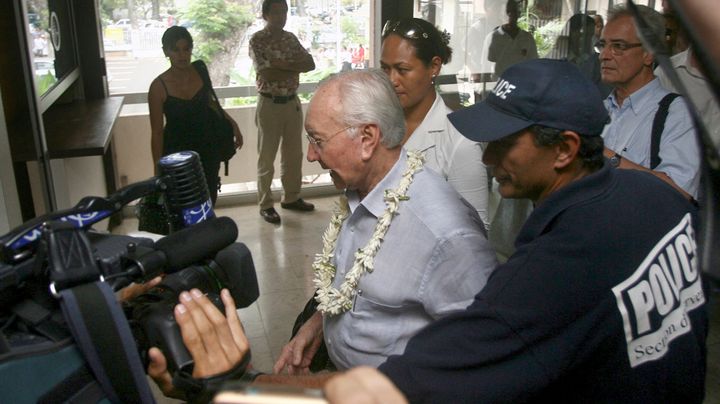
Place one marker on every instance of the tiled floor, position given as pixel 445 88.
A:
pixel 283 255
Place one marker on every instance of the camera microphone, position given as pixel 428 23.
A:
pixel 187 196
pixel 188 246
pixel 193 244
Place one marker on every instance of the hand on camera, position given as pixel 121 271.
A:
pixel 157 370
pixel 297 354
pixel 134 290
pixel 217 343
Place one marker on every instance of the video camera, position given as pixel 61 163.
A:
pixel 56 262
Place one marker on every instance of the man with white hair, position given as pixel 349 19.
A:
pixel 404 251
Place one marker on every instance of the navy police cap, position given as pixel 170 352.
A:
pixel 545 92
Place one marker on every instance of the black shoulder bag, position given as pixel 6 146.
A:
pixel 220 130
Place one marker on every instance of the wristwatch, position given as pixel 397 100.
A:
pixel 615 160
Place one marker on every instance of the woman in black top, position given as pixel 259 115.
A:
pixel 180 94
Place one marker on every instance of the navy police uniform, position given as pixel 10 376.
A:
pixel 578 313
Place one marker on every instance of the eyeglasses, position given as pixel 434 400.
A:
pixel 617 48
pixel 318 143
pixel 405 28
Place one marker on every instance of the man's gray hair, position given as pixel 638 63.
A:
pixel 654 20
pixel 368 97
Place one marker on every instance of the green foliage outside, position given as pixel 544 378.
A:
pixel 216 21
pixel 351 33
pixel 545 35
pixel 242 80
pixel 240 102
pixel 44 82
pixel 107 7
pixel 38 9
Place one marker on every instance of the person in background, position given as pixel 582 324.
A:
pixel 181 96
pixel 676 38
pixel 413 52
pixel 358 57
pixel 599 25
pixel 698 87
pixel 279 58
pixel 473 43
pixel 345 59
pixel 627 64
pixel 506 45
pixel 575 44
pixel 509 44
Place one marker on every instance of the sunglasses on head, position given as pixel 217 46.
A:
pixel 405 28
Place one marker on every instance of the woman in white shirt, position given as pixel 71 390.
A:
pixel 413 51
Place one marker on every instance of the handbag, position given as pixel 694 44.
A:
pixel 152 215
pixel 222 136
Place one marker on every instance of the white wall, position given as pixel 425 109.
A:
pixel 85 176
pixel 73 179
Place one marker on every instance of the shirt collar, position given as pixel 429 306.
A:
pixel 374 201
pixel 637 100
pixel 434 121
pixel 682 61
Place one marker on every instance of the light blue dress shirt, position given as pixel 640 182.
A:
pixel 629 134
pixel 434 259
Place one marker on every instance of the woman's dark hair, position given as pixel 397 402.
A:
pixel 424 37
pixel 591 147
pixel 174 34
pixel 267 3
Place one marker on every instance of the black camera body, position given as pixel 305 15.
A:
pixel 153 325
pixel 151 315
pixel 59 317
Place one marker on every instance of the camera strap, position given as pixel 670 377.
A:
pixel 94 316
pixel 103 335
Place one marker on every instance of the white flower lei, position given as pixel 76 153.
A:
pixel 333 301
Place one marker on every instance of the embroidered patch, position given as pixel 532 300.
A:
pixel 655 300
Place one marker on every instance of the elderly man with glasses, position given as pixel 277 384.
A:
pixel 650 129
pixel 402 250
